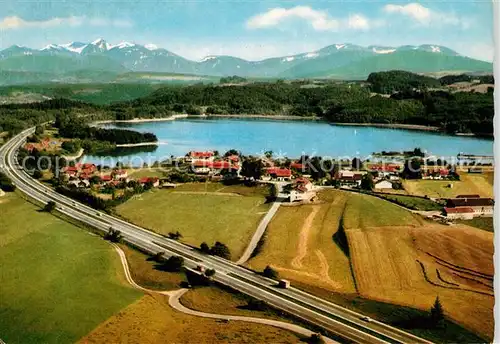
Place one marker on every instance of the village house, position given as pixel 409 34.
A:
pixel 120 174
pixel 84 183
pixel 436 174
pixel 349 178
pixel 301 190
pixel 87 167
pixel 233 158
pixel 384 171
pixel 213 167
pixel 278 174
pixel 106 178
pixel 155 181
pixel 298 166
pixel 193 156
pixel 479 206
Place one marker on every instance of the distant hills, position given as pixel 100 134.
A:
pixel 84 62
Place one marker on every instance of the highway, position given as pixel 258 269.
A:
pixel 336 319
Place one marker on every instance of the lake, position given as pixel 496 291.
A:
pixel 287 138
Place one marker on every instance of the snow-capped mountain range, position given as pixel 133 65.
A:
pixel 342 60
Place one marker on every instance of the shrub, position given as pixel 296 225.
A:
pixel 269 272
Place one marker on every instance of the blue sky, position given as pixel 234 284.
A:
pixel 250 29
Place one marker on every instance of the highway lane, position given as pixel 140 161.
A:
pixel 325 314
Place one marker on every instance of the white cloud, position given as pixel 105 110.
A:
pixel 414 10
pixel 319 20
pixel 14 22
pixel 358 21
pixel 425 16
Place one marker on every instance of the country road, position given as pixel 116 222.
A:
pixel 259 232
pixel 174 302
pixel 329 316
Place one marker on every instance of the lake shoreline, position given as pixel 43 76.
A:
pixel 141 120
pixel 140 144
pixel 77 156
pixel 391 126
pixel 413 127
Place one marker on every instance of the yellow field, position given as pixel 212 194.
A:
pixel 480 184
pixel 151 320
pixel 210 216
pixel 399 263
pixel 300 244
pixel 389 249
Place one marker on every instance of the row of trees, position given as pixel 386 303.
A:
pixel 6 184
pixel 218 249
pixel 398 80
pixel 410 103
pixel 72 127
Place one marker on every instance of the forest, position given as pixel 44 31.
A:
pixel 413 99
pixel 77 128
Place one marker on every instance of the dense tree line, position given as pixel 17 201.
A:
pixel 398 80
pixel 465 112
pixel 71 127
pixel 6 184
pixel 451 79
pixel 412 101
pixel 232 80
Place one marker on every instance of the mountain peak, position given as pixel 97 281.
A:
pixel 151 46
pixel 208 58
pixel 98 41
pixel 75 47
pixel 101 44
pixel 123 45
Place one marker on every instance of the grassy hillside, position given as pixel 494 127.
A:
pixel 59 64
pixel 412 61
pixel 306 244
pixel 401 259
pixel 199 214
pixel 363 252
pixel 57 282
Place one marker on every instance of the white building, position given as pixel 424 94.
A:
pixel 383 184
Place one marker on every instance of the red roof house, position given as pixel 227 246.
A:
pixel 297 166
pixel 220 165
pixel 106 178
pixel 279 172
pixel 201 155
pixel 68 169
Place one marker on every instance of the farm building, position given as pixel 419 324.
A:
pixel 460 213
pixel 480 206
pixel 468 196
